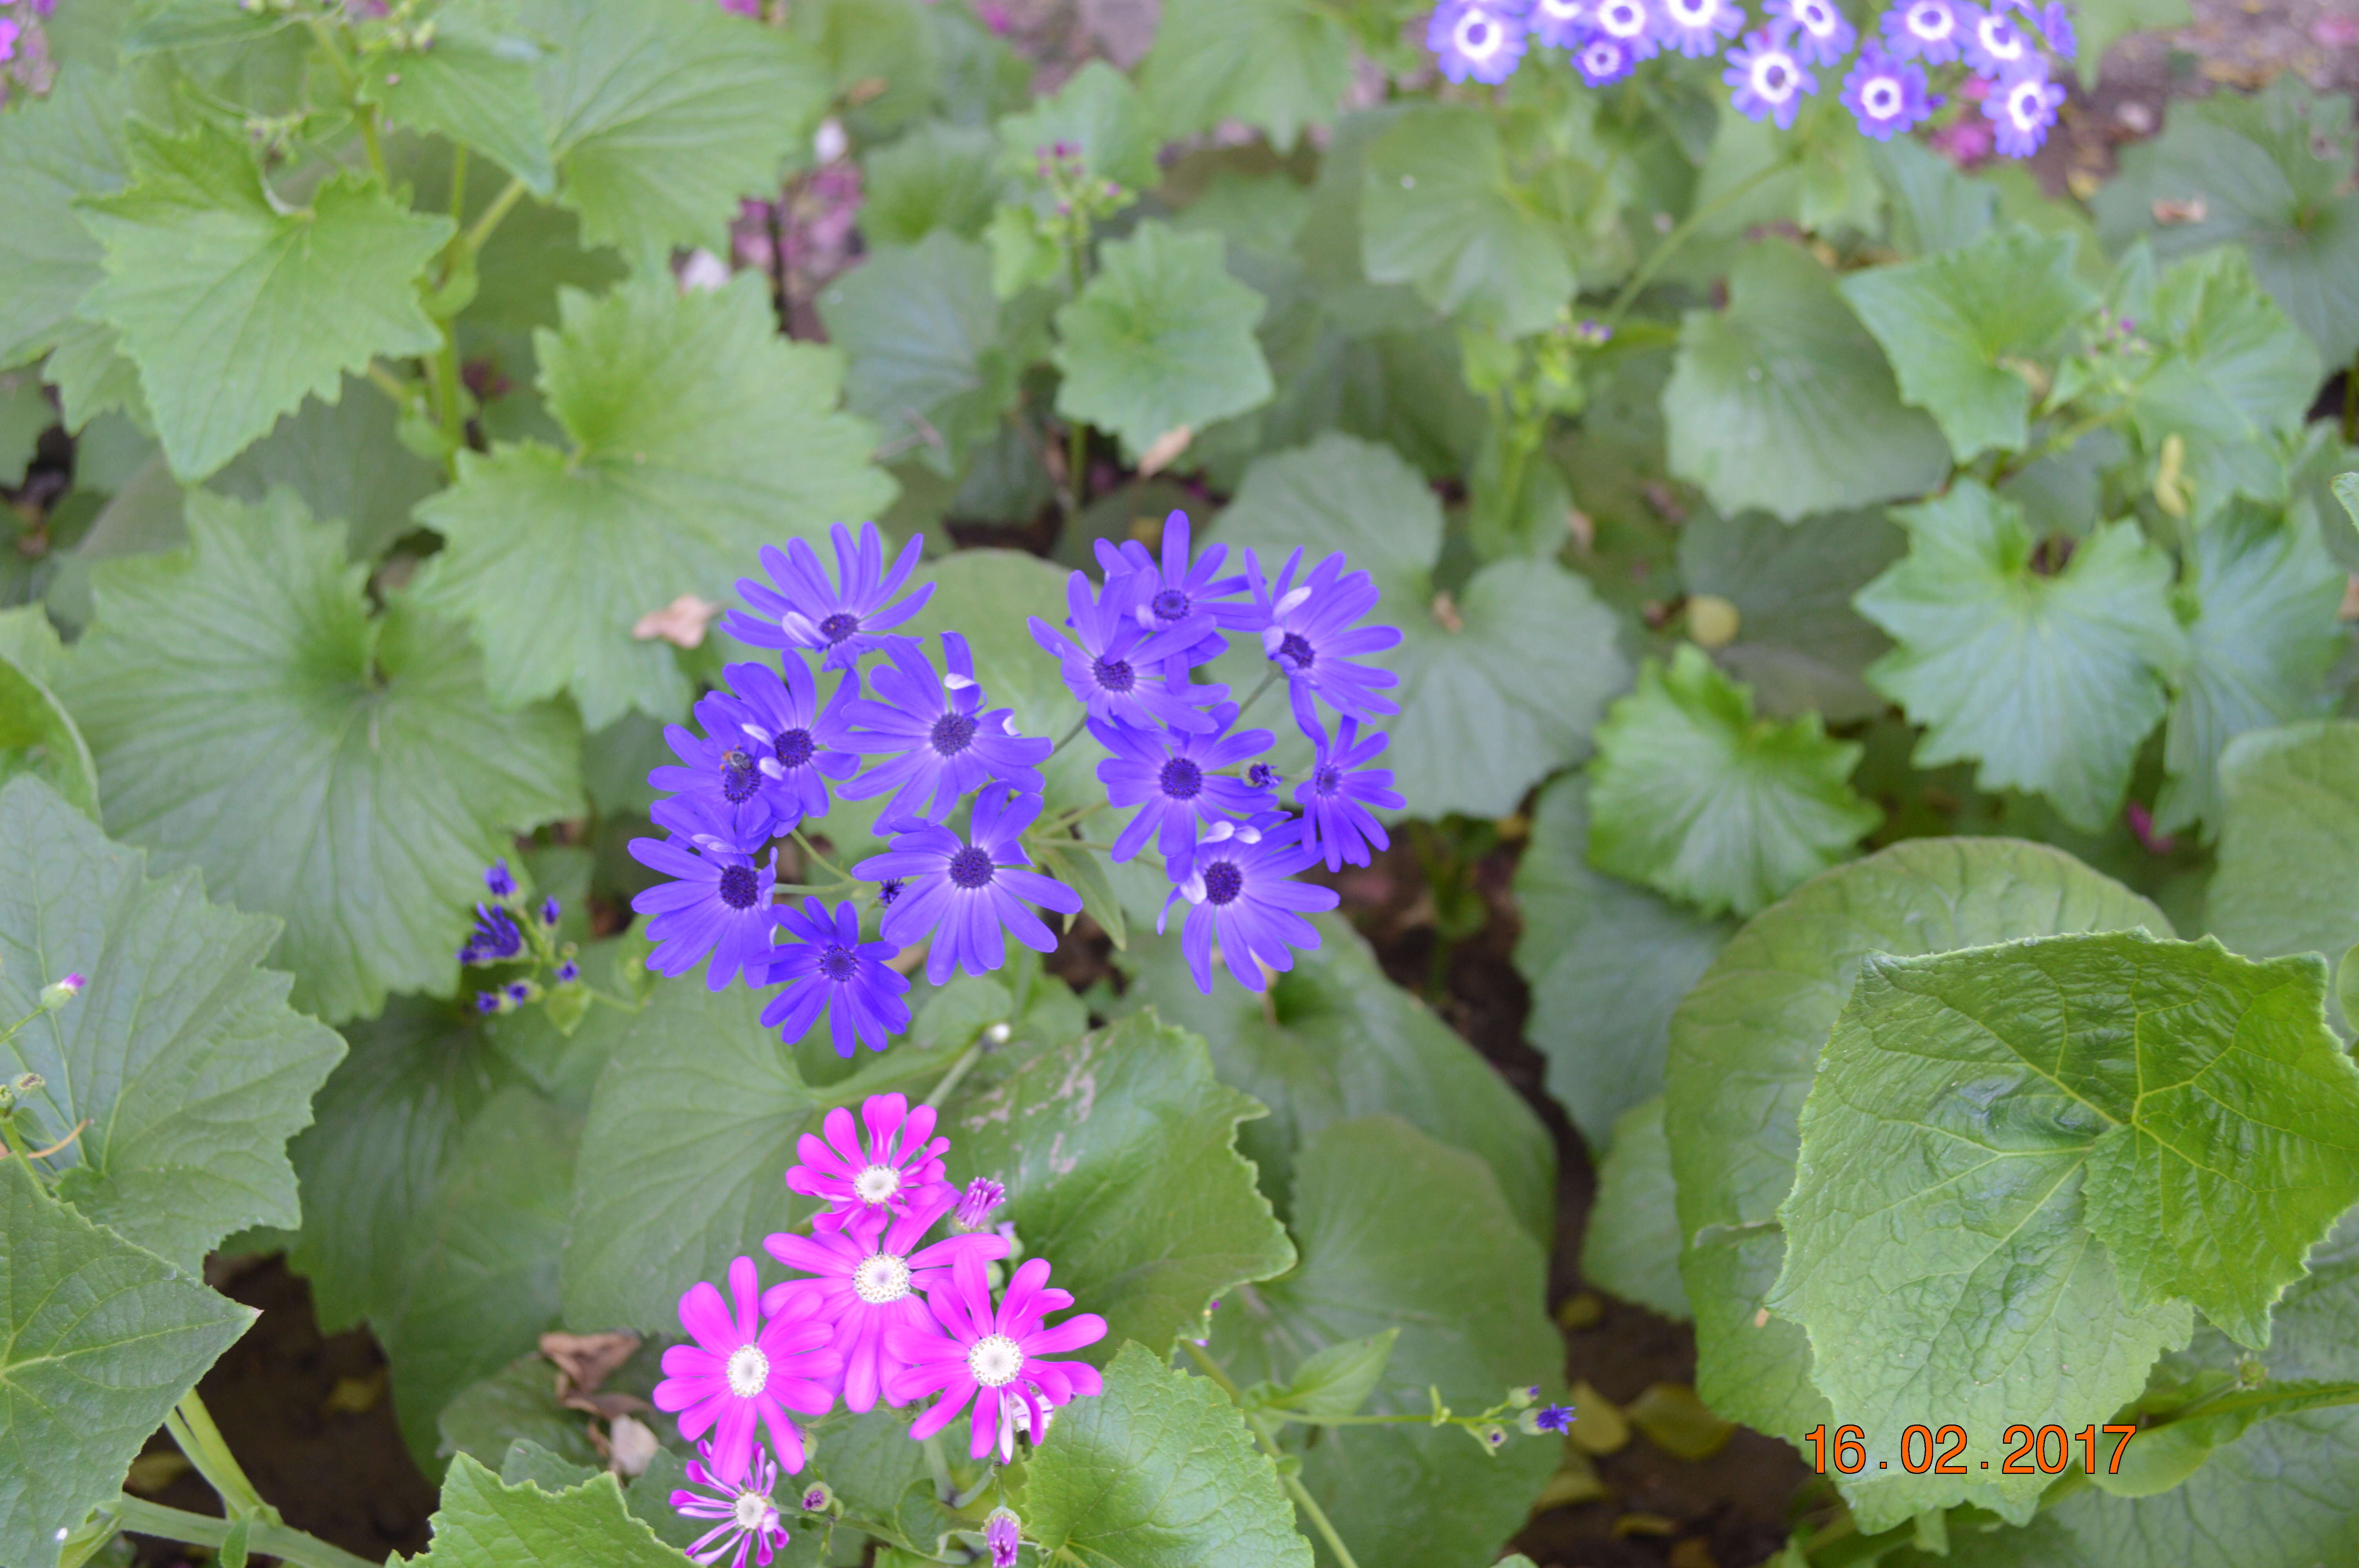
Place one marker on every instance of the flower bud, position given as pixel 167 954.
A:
pixel 1003 1531
pixel 818 1498
pixel 56 993
pixel 974 1206
pixel 1492 1437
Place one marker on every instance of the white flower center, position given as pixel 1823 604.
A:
pixel 995 1361
pixel 1623 19
pixel 1773 77
pixel 1564 10
pixel 876 1183
pixel 1817 20
pixel 1477 36
pixel 1881 97
pixel 881 1278
pixel 1690 13
pixel 1931 22
pixel 749 1371
pixel 2026 102
pixel 1999 41
pixel 752 1510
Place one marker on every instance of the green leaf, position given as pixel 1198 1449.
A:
pixel 2050 680
pixel 1158 1472
pixel 198 23
pixel 939 176
pixel 2289 876
pixel 1335 1381
pixel 2265 634
pixel 346 461
pixel 2099 22
pixel 1499 684
pixel 1799 643
pixel 663 117
pixel 879 56
pixel 1783 401
pixel 1118 1151
pixel 484 1524
pixel 920 327
pixel 473 85
pixel 234 305
pixel 37 738
pixel 699 436
pixel 2177 1448
pixel 2264 174
pixel 182 1057
pixel 1631 1248
pixel 1744 1045
pixel 1280 65
pixel 1935 208
pixel 1160 337
pixel 480 1262
pixel 52 150
pixel 1952 323
pixel 25 413
pixel 98 1339
pixel 1096 112
pixel 1694 797
pixel 1397 1231
pixel 343 771
pixel 1337 1040
pixel 516 1404
pixel 529 1462
pixel 1442 210
pixel 1606 962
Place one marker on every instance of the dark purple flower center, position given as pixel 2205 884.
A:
pixel 1114 674
pixel 839 626
pixel 838 963
pixel 1261 775
pixel 971 868
pixel 1222 883
pixel 1774 78
pixel 738 779
pixel 1328 780
pixel 1294 651
pixel 951 734
pixel 794 747
pixel 1181 779
pixel 1477 35
pixel 887 890
pixel 739 887
pixel 1168 605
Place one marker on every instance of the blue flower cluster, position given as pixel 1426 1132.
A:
pixel 916 730
pixel 1769 73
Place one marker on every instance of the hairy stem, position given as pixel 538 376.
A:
pixel 282 1542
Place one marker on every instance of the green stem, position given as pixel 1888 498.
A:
pixel 1077 434
pixel 447 408
pixel 15 1140
pixel 959 1070
pixel 277 1540
pixel 1268 680
pixel 190 1426
pixel 2351 403
pixel 458 184
pixel 502 205
pixel 374 147
pixel 1301 1496
pixel 1299 1418
pixel 1078 724
pixel 820 860
pixel 392 386
pixel 1686 231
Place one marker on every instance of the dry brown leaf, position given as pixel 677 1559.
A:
pixel 630 1446
pixel 1445 613
pixel 683 622
pixel 1165 449
pixel 588 1360
pixel 2192 211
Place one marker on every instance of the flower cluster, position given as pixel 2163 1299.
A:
pixel 510 928
pixel 2002 56
pixel 872 1312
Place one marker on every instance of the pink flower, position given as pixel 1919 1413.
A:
pixel 974 1206
pixel 736 1375
pixel 865 1184
pixel 993 1359
pixel 749 1518
pixel 866 1284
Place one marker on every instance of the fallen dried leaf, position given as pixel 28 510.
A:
pixel 631 1446
pixel 1575 1482
pixel 1165 449
pixel 1675 1422
pixel 1692 1554
pixel 1597 1426
pixel 2192 211
pixel 1582 1309
pixel 588 1360
pixel 682 622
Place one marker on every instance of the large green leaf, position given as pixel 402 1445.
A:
pixel 1631 1245
pixel 98 1339
pixel 1606 960
pixel 1951 325
pixel 1694 797
pixel 1783 401
pixel 920 327
pixel 2047 679
pixel 38 737
pixel 1158 1472
pixel 1118 1151
pixel 1799 643
pixel 1335 1039
pixel 1161 337
pixel 1397 1231
pixel 234 305
pixel 663 117
pixel 2289 876
pixel 1744 1045
pixel 484 1523
pixel 473 84
pixel 52 150
pixel 1499 684
pixel 1281 65
pixel 2266 174
pixel 181 1065
pixel 1098 113
pixel 699 436
pixel 2265 634
pixel 939 176
pixel 344 772
pixel 346 461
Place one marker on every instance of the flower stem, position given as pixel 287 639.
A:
pixel 1293 1484
pixel 1268 680
pixel 502 205
pixel 190 1426
pixel 823 861
pixel 1686 231
pixel 268 1540
pixel 1078 724
pixel 959 1070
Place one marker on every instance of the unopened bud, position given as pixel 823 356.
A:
pixel 1492 1438
pixel 818 1498
pixel 974 1206
pixel 56 993
pixel 998 1034
pixel 1524 1397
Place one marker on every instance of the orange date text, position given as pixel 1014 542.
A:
pixel 1939 1451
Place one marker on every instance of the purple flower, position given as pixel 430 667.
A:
pixel 1603 60
pixel 936 737
pixel 1178 593
pixel 496 939
pixel 489 1002
pixel 1560 24
pixel 1886 95
pixel 737 1375
pixel 520 992
pixel 891 1177
pixel 1308 633
pixel 749 1518
pixel 1695 27
pixel 1335 798
pixel 992 1359
pixel 720 776
pixel 1242 901
pixel 719 903
pixel 497 878
pixel 568 972
pixel 1929 31
pixel 1175 783
pixel 974 1206
pixel 828 968
pixel 963 892
pixel 549 910
pixel 795 748
pixel 1003 1533
pixel 842 619
pixel 1117 671
pixel 866 1285
pixel 1822 35
pixel 1481 39
pixel 2022 109
pixel 1626 22
pixel 1995 47
pixel 1769 80
pixel 7 41
pixel 1553 1418
pixel 2056 27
